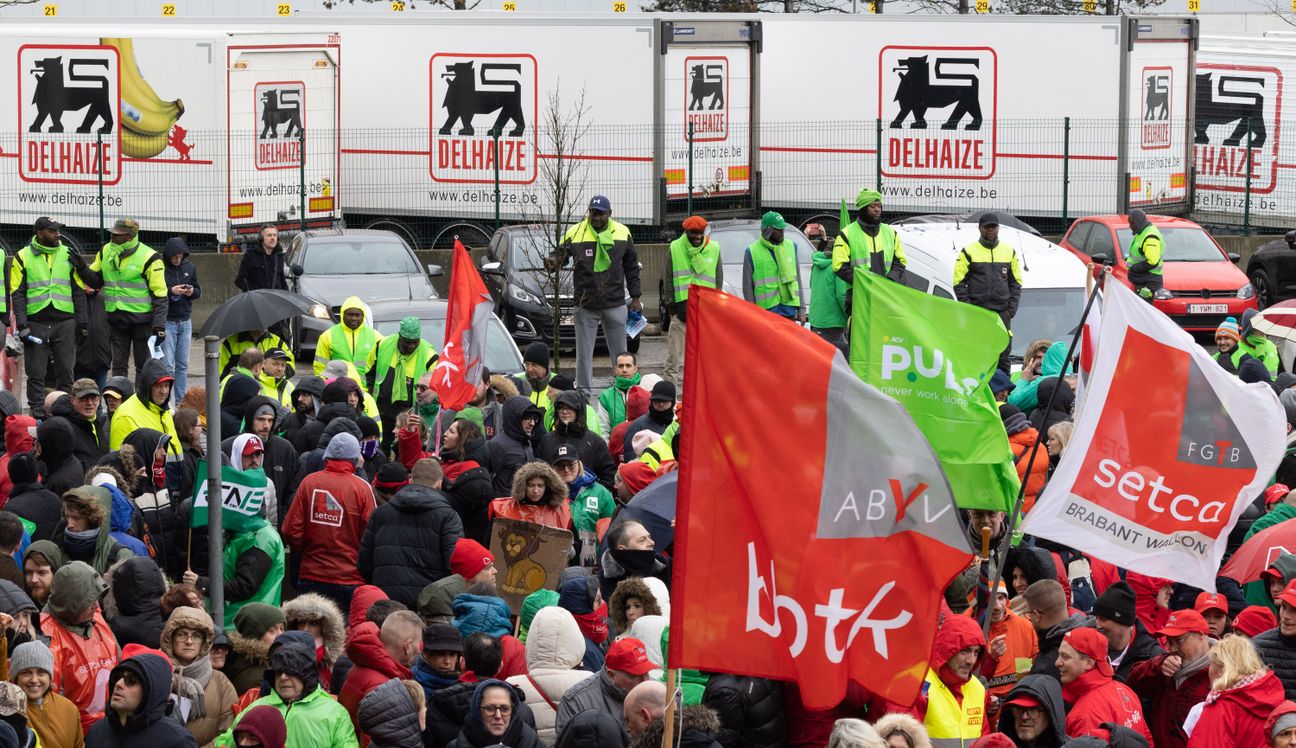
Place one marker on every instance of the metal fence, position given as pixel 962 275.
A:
pixel 432 185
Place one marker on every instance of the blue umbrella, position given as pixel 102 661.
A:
pixel 654 508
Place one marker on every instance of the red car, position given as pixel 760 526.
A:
pixel 1202 283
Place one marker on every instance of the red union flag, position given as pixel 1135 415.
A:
pixel 1168 451
pixel 458 370
pixel 815 535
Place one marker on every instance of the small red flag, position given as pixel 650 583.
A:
pixel 816 529
pixel 458 370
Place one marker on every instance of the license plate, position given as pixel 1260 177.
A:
pixel 568 320
pixel 1208 308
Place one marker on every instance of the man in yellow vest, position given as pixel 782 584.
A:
pixel 953 704
pixel 869 242
pixel 235 344
pixel 133 277
pixel 49 311
pixel 1143 261
pixel 694 261
pixel 276 377
pixel 771 273
pixel 400 361
pixel 353 339
pixel 987 273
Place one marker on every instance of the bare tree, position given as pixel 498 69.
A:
pixel 559 199
pixel 410 4
pixel 747 6
pixel 1041 7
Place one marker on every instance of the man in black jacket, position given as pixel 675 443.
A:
pixel 750 710
pixel 512 446
pixel 139 691
pixel 409 540
pixel 49 311
pixel 1127 643
pixel 261 417
pixel 569 428
pixel 182 290
pixel 262 266
pixel 89 427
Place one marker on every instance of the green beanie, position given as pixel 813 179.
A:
pixel 254 619
pixel 772 220
pixel 867 197
pixel 410 328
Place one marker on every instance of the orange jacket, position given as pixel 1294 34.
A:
pixel 82 665
pixel 550 516
pixel 1022 644
pixel 1021 443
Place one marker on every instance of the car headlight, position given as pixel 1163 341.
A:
pixel 1162 294
pixel 319 311
pixel 523 295
pixel 1246 292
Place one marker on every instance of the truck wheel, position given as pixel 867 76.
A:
pixel 471 234
pixel 1263 288
pixel 396 227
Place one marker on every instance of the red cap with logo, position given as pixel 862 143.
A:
pixel 1288 594
pixel 253 446
pixel 1211 601
pixel 629 656
pixel 1091 644
pixel 1184 622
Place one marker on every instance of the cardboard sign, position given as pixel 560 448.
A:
pixel 528 557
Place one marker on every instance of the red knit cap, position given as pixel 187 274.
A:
pixel 469 558
pixel 1254 620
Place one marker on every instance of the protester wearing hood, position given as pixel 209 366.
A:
pixel 23 615
pixel 312 461
pixel 538 495
pixel 661 413
pixel 187 639
pixel 408 542
pixel 555 649
pixel 380 654
pixel 1171 684
pixel 1033 713
pixel 320 618
pixel 263 724
pixel 183 289
pixel 512 446
pixel 116 390
pixel 19 437
pixel 262 416
pixel 1025 394
pixel 1243 694
pixel 579 595
pixel 569 430
pixel 31 500
pixel 131 605
pixel 592 729
pixel 312 717
pixel 1021 439
pixel 1257 345
pixel 629 553
pixel 236 392
pixel 953 703
pixel 1273 580
pixel 86 535
pixel 353 339
pixel 631 600
pixel 1095 697
pixel 256 626
pixel 1047 607
pixel 81 642
pixel 40 561
pixel 307 399
pixel 1128 643
pixel 326 521
pixel 1280 726
pixel 393 715
pixel 138 691
pixel 334 402
pixel 60 469
pixel 147 408
pixel 89 427
pixel 494 718
pixel 1060 408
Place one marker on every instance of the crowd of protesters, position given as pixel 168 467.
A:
pixel 362 605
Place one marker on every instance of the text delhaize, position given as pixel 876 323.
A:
pixel 69 157
pixel 479 154
pixel 1231 161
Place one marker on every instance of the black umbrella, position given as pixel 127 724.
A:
pixel 654 508
pixel 254 310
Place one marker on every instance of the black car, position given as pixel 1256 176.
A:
pixel 524 292
pixel 1272 270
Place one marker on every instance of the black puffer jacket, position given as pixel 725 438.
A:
pixel 149 725
pixel 1048 692
pixel 298 419
pixel 137 588
pixel 750 710
pixel 35 503
pixel 1279 653
pixel 61 470
pixel 408 542
pixel 309 434
pixel 470 493
pixel 592 449
pixel 89 437
pixel 511 448
pixel 313 461
pixel 593 729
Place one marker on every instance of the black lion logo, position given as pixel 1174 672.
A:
pixel 463 101
pixel 1245 105
pixel 278 107
pixel 52 97
pixel 916 93
pixel 1156 104
pixel 704 85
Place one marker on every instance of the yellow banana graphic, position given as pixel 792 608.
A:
pixel 142 110
pixel 136 145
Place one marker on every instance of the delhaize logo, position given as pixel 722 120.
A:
pixel 280 111
pixel 67 102
pixel 707 93
pixel 473 95
pixel 1157 84
pixel 938 108
pixel 1229 99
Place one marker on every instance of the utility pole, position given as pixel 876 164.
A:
pixel 963 7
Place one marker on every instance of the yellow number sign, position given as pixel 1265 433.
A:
pixel 398 6
pixel 283 9
pixel 1194 6
pixel 873 5
pixel 983 6
pixel 51 9
pixel 1090 6
pixel 618 7
pixel 510 6
pixel 168 10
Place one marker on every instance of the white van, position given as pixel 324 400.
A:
pixel 1053 288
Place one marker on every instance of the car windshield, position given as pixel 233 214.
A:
pixel 1181 245
pixel 1049 313
pixel 735 241
pixel 501 355
pixel 359 257
pixel 528 250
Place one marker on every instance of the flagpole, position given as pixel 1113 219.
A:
pixel 215 551
pixel 1009 529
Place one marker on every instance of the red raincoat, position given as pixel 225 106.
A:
pixel 1239 715
pixel 326 521
pixel 1097 698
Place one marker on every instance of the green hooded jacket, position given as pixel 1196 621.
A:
pixel 1024 394
pixel 827 293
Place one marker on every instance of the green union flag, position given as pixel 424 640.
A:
pixel 242 494
pixel 935 356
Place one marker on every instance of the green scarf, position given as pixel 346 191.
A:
pixel 602 243
pixel 613 398
pixel 625 383
pixel 786 268
pixel 115 251
pixel 697 263
pixel 39 248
